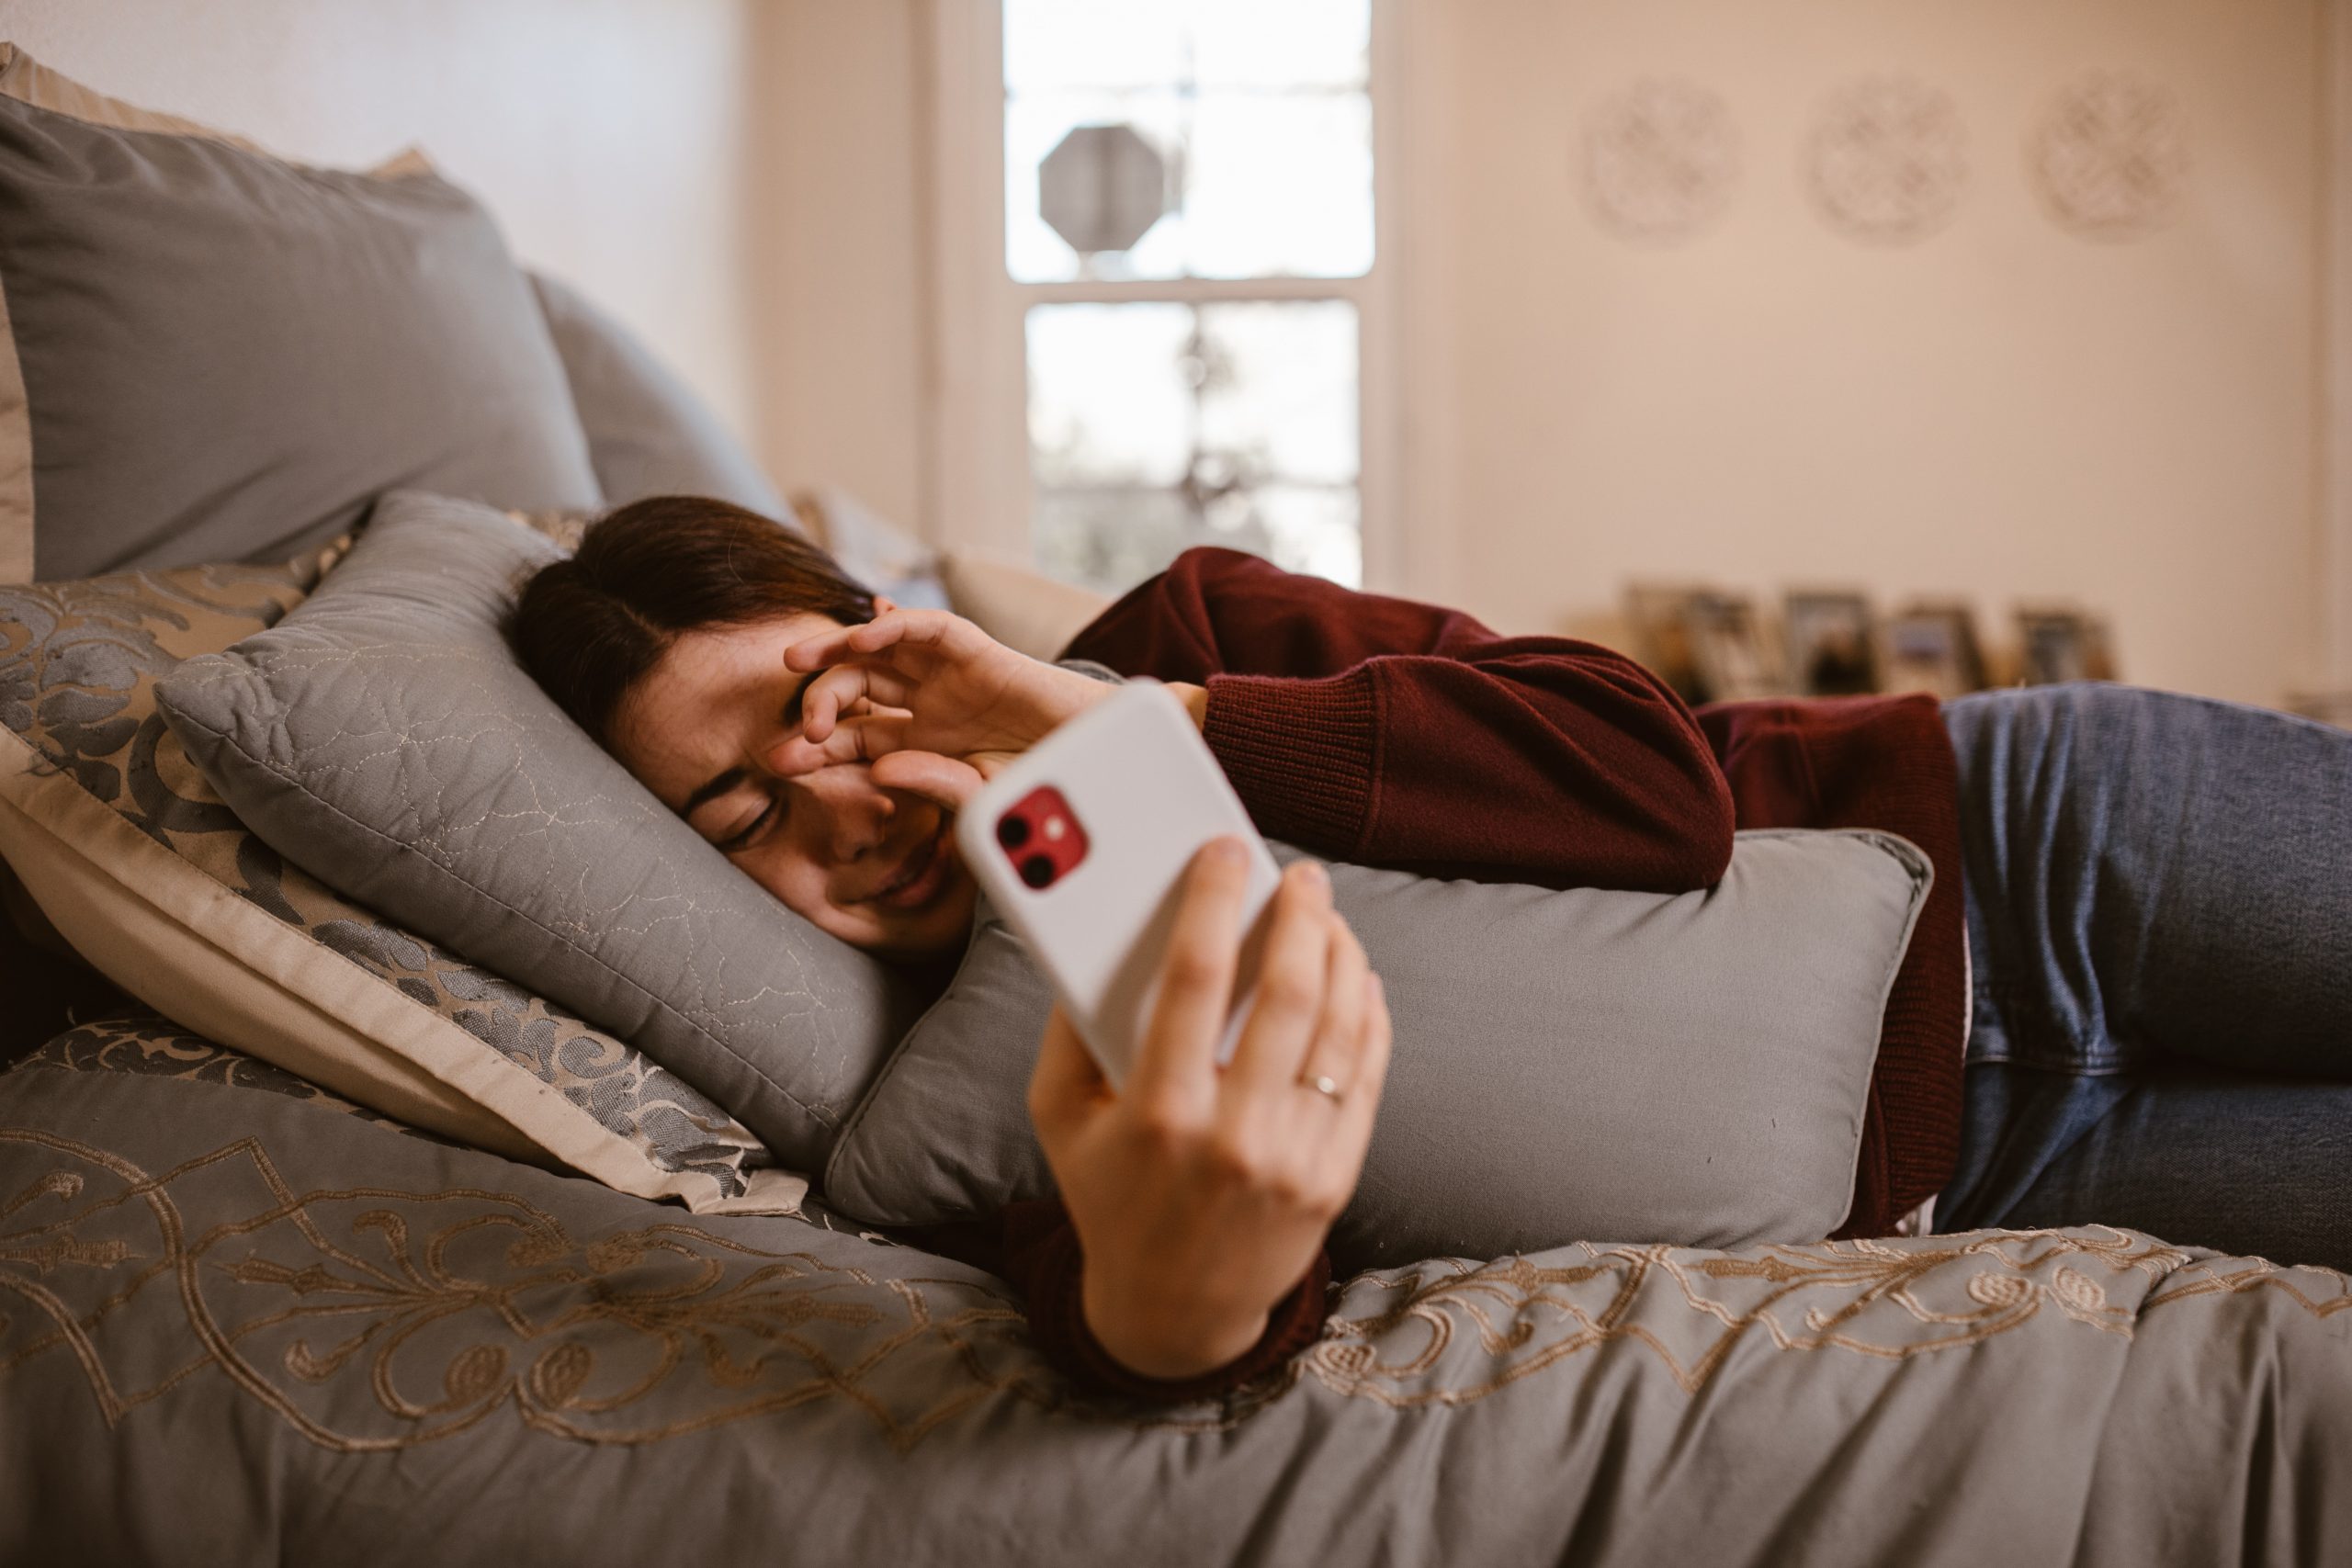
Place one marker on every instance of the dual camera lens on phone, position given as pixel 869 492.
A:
pixel 1037 871
pixel 1042 837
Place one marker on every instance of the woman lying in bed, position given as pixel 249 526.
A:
pixel 2157 905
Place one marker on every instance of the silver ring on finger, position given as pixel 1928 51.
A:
pixel 1325 1084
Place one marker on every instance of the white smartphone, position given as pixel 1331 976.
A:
pixel 1082 842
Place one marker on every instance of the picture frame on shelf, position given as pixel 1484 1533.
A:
pixel 1736 661
pixel 1831 638
pixel 1661 617
pixel 1931 646
pixel 2060 643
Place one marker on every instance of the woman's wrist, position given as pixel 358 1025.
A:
pixel 1169 1347
pixel 1195 700
pixel 1062 696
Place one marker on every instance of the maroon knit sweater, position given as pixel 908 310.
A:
pixel 1390 733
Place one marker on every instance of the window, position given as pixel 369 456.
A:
pixel 1186 281
pixel 1257 112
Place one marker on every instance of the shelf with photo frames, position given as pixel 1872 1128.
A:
pixel 1717 645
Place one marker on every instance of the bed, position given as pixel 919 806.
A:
pixel 514 1292
pixel 243 1320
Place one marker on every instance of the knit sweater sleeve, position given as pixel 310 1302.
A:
pixel 1040 1255
pixel 1349 721
pixel 1033 1247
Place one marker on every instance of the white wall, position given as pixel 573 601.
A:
pixel 2001 411
pixel 840 247
pixel 609 136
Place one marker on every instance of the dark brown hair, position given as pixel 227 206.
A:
pixel 591 626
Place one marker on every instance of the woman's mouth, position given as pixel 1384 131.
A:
pixel 921 875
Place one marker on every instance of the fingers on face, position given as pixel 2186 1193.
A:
pixel 1178 1058
pixel 948 782
pixel 823 699
pixel 861 739
pixel 888 624
pixel 843 691
pixel 890 628
pixel 816 652
pixel 917 628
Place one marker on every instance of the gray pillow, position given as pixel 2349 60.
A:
pixel 227 357
pixel 647 433
pixel 383 738
pixel 1569 1065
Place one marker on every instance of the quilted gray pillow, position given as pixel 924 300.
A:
pixel 383 736
pixel 1576 1066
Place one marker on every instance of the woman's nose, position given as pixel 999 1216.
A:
pixel 856 815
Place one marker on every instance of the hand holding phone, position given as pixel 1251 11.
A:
pixel 1201 1197
pixel 1081 843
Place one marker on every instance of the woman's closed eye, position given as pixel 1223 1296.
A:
pixel 750 834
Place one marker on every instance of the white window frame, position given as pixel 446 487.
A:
pixel 976 489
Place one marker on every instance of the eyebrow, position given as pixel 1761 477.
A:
pixel 734 777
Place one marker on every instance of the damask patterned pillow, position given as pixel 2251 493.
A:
pixel 158 883
pixel 131 1040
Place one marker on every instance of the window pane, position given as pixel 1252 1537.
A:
pixel 1259 113
pixel 1281 388
pixel 1157 426
pixel 1280 43
pixel 1094 43
pixel 1160 43
pixel 1113 539
pixel 1108 404
pixel 1278 184
pixel 1318 529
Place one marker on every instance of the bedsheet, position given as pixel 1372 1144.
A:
pixel 241 1321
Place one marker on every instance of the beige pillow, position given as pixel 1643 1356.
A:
pixel 1018 605
pixel 1007 598
pixel 871 548
pixel 153 880
pixel 29 81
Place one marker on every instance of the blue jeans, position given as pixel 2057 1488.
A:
pixel 2160 919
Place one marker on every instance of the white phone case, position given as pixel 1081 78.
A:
pixel 1146 793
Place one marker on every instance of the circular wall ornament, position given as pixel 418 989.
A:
pixel 1887 160
pixel 2110 156
pixel 1661 160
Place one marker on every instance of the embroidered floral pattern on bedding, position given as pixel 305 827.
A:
pixel 378 1317
pixel 77 665
pixel 455 1307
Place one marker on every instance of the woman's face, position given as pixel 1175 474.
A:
pixel 875 867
